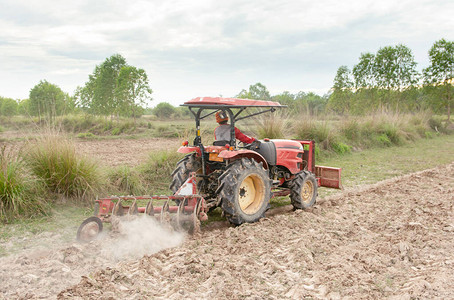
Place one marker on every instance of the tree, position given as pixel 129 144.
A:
pixel 440 72
pixel 8 107
pixel 132 90
pixel 363 72
pixel 341 97
pixel 395 68
pixel 257 91
pixel 48 101
pixel 286 98
pixel 164 110
pixel 115 88
pixel 99 93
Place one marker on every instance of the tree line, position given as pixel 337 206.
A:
pixel 115 88
pixel 389 79
pixel 385 79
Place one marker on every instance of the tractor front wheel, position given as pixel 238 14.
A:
pixel 303 190
pixel 245 191
pixel 190 163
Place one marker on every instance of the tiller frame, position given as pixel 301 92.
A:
pixel 190 210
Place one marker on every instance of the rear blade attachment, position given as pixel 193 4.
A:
pixel 329 177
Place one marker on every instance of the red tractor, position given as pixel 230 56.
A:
pixel 242 180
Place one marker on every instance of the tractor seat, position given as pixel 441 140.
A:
pixel 221 143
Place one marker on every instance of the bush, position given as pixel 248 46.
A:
pixel 53 159
pixel 86 135
pixel 272 127
pixel 20 192
pixel 127 181
pixel 340 148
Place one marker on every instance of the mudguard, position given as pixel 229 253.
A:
pixel 237 154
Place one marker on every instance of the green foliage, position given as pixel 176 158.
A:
pixel 20 193
pixel 115 88
pixel 127 181
pixel 132 91
pixel 48 101
pixel 167 131
pixel 86 135
pixel 256 91
pixel 302 103
pixel 440 74
pixel 24 107
pixel 340 148
pixel 8 107
pixel 53 159
pixel 383 80
pixel 157 169
pixel 164 110
pixel 394 67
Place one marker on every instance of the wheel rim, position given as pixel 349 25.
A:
pixel 307 191
pixel 251 194
pixel 89 232
pixel 89 229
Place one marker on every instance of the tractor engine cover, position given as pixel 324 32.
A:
pixel 289 154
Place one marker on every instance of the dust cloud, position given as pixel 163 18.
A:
pixel 41 272
pixel 140 236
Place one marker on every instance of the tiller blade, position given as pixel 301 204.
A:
pixel 182 211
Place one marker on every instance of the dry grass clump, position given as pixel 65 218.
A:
pixel 21 194
pixel 127 181
pixel 53 159
pixel 157 169
pixel 273 126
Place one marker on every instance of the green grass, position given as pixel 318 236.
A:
pixel 157 169
pixel 21 194
pixel 373 165
pixel 53 159
pixel 126 181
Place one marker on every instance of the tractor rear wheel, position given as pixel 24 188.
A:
pixel 188 164
pixel 245 191
pixel 303 190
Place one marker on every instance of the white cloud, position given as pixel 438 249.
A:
pixel 208 47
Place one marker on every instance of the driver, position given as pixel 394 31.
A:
pixel 222 132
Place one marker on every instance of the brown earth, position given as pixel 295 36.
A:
pixel 390 240
pixel 109 152
pixel 123 151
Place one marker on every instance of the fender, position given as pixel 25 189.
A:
pixel 234 155
pixel 186 149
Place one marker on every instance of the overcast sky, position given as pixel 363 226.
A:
pixel 209 48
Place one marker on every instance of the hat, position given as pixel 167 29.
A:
pixel 221 116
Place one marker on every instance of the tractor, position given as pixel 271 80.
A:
pixel 240 180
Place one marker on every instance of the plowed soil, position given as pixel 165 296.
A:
pixel 390 240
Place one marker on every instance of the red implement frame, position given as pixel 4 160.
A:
pixel 187 194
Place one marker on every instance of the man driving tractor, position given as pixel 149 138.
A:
pixel 222 132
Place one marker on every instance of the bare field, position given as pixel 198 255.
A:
pixel 117 152
pixel 393 239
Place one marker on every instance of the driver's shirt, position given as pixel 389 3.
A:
pixel 222 133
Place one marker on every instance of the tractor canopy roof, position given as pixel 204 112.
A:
pixel 219 102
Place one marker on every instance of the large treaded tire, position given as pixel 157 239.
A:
pixel 303 190
pixel 245 191
pixel 186 165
